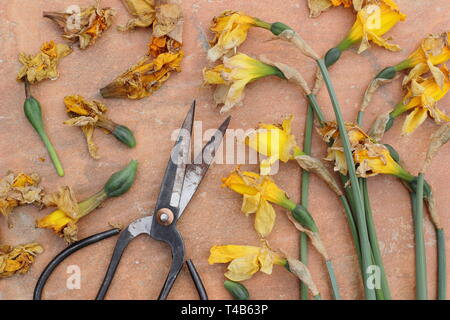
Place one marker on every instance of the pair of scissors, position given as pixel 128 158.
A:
pixel 181 180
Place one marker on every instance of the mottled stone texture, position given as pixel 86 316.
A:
pixel 213 217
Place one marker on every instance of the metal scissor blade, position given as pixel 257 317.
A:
pixel 196 172
pixel 172 183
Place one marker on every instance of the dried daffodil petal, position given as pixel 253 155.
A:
pixel 143 11
pixel 17 260
pixel 43 65
pixel 85 114
pixel 438 139
pixel 145 77
pixel 20 189
pixel 168 16
pixel 316 7
pixel 85 26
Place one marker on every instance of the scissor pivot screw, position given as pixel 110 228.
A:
pixel 165 216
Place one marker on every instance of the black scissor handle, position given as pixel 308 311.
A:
pixel 64 254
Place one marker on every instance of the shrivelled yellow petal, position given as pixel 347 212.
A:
pixel 258 191
pixel 20 189
pixel 230 31
pixel 89 25
pixel 43 65
pixel 273 141
pixel 434 48
pixel 17 260
pixel 422 98
pixel 62 221
pixel 374 20
pixel 245 260
pixel 145 77
pixel 232 77
pixel 143 11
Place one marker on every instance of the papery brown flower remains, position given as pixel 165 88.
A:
pixel 17 260
pixel 85 26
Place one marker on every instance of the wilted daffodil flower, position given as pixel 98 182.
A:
pixel 433 50
pixel 316 7
pixel 233 75
pixel 422 97
pixel 330 134
pixel 259 192
pixel 230 30
pixel 20 189
pixel 90 114
pixel 43 65
pixel 245 261
pixel 17 260
pixel 64 220
pixel 274 141
pixel 85 26
pixel 370 157
pixel 374 19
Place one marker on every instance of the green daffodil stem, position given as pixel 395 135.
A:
pixel 352 225
pixel 442 265
pixel 421 266
pixel 334 285
pixel 374 241
pixel 357 196
pixel 312 99
pixel 305 194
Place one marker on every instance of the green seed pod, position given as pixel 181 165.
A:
pixel 124 135
pixel 121 181
pixel 393 152
pixel 387 73
pixel 302 215
pixel 237 290
pixel 332 56
pixel 278 27
pixel 33 112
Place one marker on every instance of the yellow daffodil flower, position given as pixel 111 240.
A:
pixel 230 31
pixel 17 260
pixel 43 65
pixel 258 192
pixel 20 189
pixel 433 48
pixel 330 133
pixel 245 261
pixel 89 25
pixel 372 159
pixel 64 220
pixel 375 19
pixel 421 98
pixel 232 77
pixel 274 141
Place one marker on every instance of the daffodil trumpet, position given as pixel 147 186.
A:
pixel 244 261
pixel 33 112
pixel 64 220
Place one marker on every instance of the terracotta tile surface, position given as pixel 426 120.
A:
pixel 213 216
